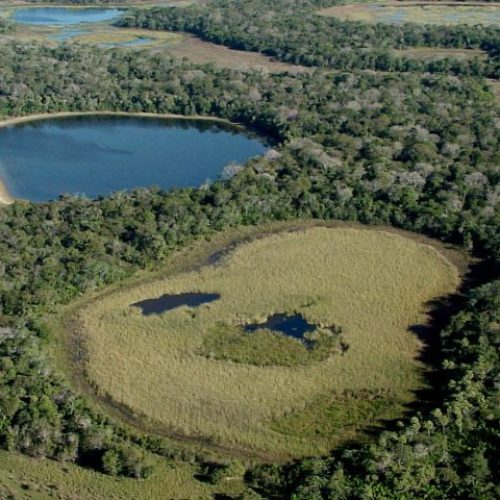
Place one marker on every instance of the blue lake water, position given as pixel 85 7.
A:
pixel 63 16
pixel 98 155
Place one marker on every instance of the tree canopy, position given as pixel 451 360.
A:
pixel 417 151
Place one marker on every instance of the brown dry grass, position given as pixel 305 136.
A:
pixel 200 52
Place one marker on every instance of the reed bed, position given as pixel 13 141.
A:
pixel 374 284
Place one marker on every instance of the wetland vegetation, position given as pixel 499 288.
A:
pixel 374 285
pixel 75 24
pixel 417 150
pixel 450 13
pixel 294 32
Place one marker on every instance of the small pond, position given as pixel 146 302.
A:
pixel 290 325
pixel 101 154
pixel 63 16
pixel 168 302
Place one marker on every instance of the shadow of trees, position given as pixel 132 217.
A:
pixel 441 310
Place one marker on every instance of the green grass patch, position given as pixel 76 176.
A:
pixel 270 348
pixel 322 417
pixel 23 477
pixel 375 284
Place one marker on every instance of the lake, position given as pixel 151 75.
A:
pixel 98 155
pixel 62 16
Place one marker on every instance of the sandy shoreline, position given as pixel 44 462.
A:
pixel 7 199
pixel 68 114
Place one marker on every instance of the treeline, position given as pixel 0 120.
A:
pixel 293 32
pixel 40 416
pixel 420 153
pixel 449 453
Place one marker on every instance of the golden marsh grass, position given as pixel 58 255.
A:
pixel 375 284
pixel 425 12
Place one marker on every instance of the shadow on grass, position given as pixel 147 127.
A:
pixel 441 311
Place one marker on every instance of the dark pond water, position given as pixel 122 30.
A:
pixel 169 302
pixel 98 155
pixel 63 16
pixel 291 325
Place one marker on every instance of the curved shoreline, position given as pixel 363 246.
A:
pixel 6 198
pixel 6 122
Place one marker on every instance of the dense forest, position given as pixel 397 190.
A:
pixel 293 32
pixel 6 27
pixel 417 151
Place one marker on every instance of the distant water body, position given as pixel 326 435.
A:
pixel 61 16
pixel 98 155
